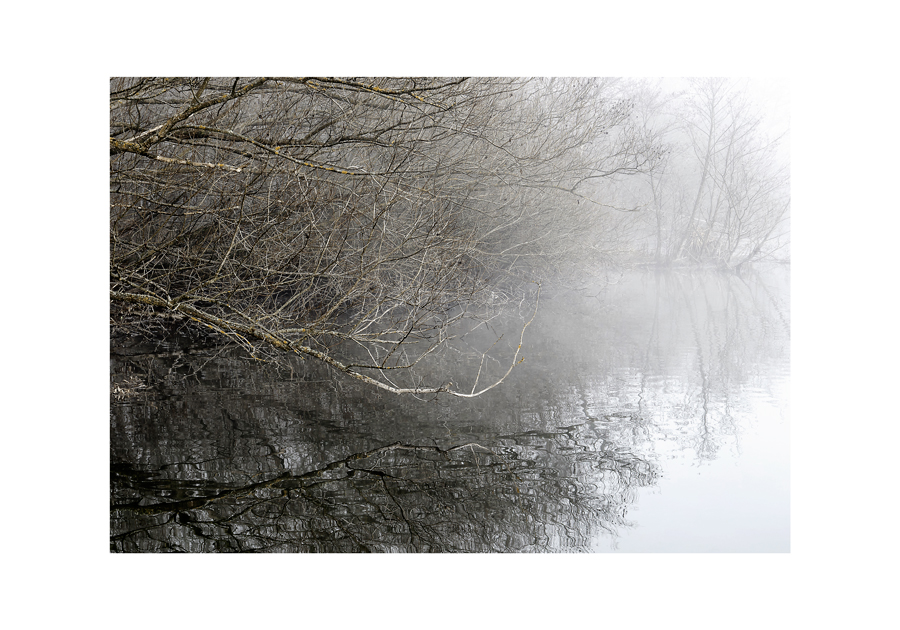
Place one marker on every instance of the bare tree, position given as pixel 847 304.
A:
pixel 353 221
pixel 721 195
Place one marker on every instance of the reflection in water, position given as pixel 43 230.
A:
pixel 398 497
pixel 213 452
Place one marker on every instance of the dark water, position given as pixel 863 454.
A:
pixel 651 414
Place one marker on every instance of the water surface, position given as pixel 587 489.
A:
pixel 651 414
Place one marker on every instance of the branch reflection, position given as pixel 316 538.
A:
pixel 213 452
pixel 533 492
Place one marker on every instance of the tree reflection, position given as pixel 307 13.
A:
pixel 675 360
pixel 533 492
pixel 213 452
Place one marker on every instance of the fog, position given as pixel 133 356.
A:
pixel 449 315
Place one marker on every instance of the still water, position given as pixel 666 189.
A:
pixel 651 415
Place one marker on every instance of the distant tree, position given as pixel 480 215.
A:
pixel 353 221
pixel 721 195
